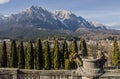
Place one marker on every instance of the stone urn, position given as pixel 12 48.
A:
pixel 91 68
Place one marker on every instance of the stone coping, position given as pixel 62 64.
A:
pixel 90 59
pixel 111 73
pixel 14 69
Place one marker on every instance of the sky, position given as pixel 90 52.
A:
pixel 106 12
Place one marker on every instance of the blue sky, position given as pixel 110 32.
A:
pixel 103 11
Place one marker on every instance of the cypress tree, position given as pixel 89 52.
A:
pixel 21 56
pixel 74 46
pixel 47 56
pixel 67 64
pixel 116 54
pixel 30 56
pixel 83 48
pixel 4 55
pixel 65 54
pixel 13 55
pixel 39 60
pixel 56 60
pixel 73 51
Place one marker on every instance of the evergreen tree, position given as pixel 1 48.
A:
pixel 83 48
pixel 65 54
pixel 13 55
pixel 73 51
pixel 56 60
pixel 21 56
pixel 47 56
pixel 74 46
pixel 4 55
pixel 30 56
pixel 67 64
pixel 116 54
pixel 39 59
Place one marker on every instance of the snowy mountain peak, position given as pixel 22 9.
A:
pixel 98 25
pixel 4 17
pixel 64 14
pixel 35 9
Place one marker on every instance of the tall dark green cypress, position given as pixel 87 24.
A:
pixel 74 46
pixel 39 59
pixel 30 56
pixel 116 54
pixel 65 54
pixel 73 51
pixel 21 56
pixel 13 55
pixel 47 56
pixel 67 64
pixel 56 60
pixel 4 55
pixel 83 48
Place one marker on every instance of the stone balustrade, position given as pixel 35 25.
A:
pixel 12 73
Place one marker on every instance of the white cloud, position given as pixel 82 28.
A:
pixel 4 1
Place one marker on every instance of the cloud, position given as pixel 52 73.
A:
pixel 4 1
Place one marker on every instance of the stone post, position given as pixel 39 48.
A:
pixel 15 74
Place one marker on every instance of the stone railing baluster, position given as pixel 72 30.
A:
pixel 50 77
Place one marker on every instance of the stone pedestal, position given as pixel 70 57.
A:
pixel 91 68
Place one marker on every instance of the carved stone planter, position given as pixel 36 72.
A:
pixel 91 68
